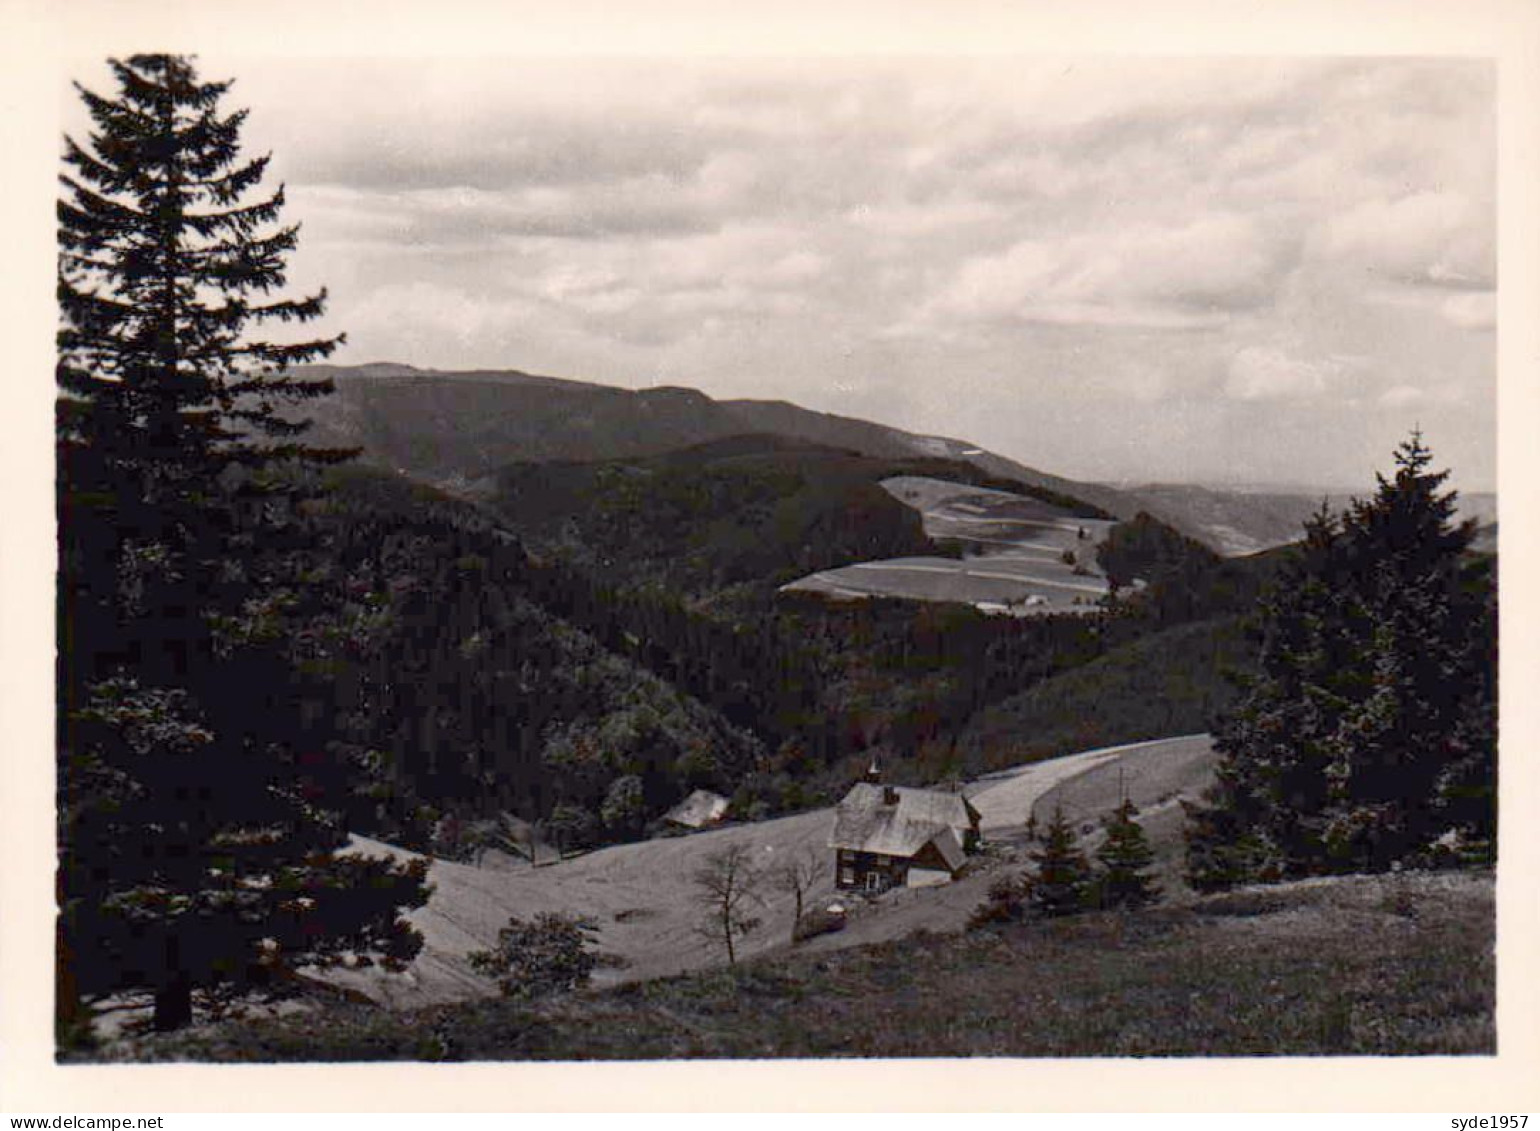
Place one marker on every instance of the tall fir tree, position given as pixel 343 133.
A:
pixel 1370 731
pixel 197 832
pixel 1265 815
pixel 163 264
pixel 1426 719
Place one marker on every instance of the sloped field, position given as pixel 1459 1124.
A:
pixel 643 900
pixel 1022 556
pixel 1352 965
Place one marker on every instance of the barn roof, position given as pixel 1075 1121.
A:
pixel 701 808
pixel 864 822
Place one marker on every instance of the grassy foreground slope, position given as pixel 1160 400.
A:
pixel 642 899
pixel 1385 965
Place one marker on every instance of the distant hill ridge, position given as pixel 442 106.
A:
pixel 1245 520
pixel 456 428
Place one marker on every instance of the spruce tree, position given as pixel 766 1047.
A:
pixel 1266 812
pixel 163 264
pixel 1370 732
pixel 1060 884
pixel 1125 857
pixel 197 827
pixel 1426 715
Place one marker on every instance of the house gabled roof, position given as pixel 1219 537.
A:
pixel 950 850
pixel 864 822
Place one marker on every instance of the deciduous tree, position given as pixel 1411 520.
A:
pixel 728 885
pixel 795 875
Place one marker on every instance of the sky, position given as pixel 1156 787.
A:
pixel 1261 271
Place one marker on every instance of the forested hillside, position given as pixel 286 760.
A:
pixel 675 560
pixel 457 428
pixel 460 694
pixel 753 511
pixel 1171 682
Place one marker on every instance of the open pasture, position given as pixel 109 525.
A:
pixel 643 900
pixel 1022 556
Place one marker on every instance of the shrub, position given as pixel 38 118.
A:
pixel 818 921
pixel 625 806
pixel 1004 904
pixel 532 959
pixel 572 827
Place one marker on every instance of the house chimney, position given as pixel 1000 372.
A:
pixel 889 795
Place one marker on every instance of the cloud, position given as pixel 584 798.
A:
pixel 1195 275
pixel 904 220
pixel 552 151
pixel 412 317
pixel 1477 311
pixel 1260 373
pixel 1402 396
pixel 462 215
pixel 1431 238
pixel 795 268
pixel 1206 238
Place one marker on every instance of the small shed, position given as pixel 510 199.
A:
pixel 698 811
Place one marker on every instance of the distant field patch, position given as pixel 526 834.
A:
pixel 1022 556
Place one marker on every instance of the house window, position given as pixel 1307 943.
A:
pixel 847 875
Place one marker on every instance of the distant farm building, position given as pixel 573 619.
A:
pixel 888 836
pixel 700 810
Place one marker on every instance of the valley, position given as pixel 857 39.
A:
pixel 535 660
pixel 1236 521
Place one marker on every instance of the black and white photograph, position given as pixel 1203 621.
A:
pixel 775 554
